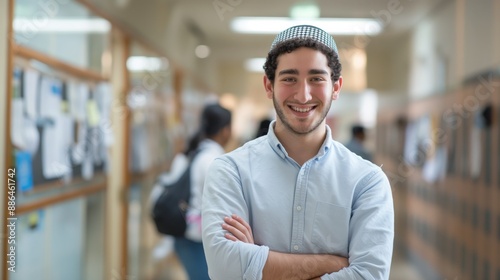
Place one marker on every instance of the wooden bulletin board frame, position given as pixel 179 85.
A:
pixel 8 147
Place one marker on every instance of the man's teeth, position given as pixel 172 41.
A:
pixel 302 110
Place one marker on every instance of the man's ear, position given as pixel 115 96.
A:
pixel 268 86
pixel 336 88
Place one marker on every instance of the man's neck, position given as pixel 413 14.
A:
pixel 301 147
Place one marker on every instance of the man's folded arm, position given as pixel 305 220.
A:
pixel 285 265
pixel 301 266
pixel 222 196
pixel 372 231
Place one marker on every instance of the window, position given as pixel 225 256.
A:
pixel 65 30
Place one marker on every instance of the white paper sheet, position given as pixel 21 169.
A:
pixel 103 97
pixel 31 136
pixel 434 168
pixel 16 123
pixel 31 86
pixel 82 97
pixel 55 156
pixel 72 93
pixel 23 134
pixel 50 97
pixel 55 160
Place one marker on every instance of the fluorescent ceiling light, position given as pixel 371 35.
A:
pixel 82 25
pixel 334 26
pixel 255 64
pixel 146 63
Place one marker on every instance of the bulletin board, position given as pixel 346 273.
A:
pixel 60 124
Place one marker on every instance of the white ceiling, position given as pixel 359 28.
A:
pixel 396 16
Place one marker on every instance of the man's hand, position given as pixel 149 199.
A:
pixel 238 229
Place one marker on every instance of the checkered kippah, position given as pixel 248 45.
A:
pixel 306 31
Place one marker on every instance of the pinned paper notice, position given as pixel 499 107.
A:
pixel 24 134
pixel 30 90
pixel 93 116
pixel 16 122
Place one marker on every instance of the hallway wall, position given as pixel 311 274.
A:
pixel 457 41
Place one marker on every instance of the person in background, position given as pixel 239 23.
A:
pixel 356 144
pixel 177 167
pixel 296 204
pixel 263 127
pixel 213 134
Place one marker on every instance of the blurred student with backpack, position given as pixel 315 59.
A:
pixel 208 143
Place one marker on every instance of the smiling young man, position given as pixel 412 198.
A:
pixel 295 204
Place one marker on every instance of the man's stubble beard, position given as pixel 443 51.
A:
pixel 286 123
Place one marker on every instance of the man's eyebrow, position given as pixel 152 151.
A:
pixel 317 71
pixel 288 71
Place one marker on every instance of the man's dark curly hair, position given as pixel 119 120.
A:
pixel 289 46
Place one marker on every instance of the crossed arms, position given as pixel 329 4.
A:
pixel 282 265
pixel 233 253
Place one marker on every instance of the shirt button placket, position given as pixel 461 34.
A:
pixel 298 226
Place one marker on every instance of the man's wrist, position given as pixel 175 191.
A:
pixel 302 266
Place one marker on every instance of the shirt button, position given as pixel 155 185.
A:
pixel 299 208
pixel 296 247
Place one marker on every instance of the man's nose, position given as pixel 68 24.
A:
pixel 303 93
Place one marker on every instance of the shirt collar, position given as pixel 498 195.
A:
pixel 280 150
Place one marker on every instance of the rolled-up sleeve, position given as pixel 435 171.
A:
pixel 223 196
pixel 371 231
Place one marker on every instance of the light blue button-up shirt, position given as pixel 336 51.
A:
pixel 335 203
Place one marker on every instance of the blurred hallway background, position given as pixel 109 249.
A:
pixel 97 95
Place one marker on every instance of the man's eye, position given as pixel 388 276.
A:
pixel 317 79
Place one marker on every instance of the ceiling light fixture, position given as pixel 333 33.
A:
pixel 334 26
pixel 202 51
pixel 147 63
pixel 82 25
